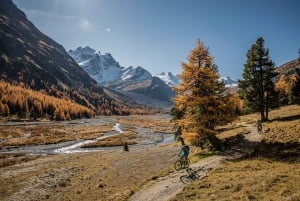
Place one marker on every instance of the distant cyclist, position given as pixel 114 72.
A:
pixel 185 151
pixel 258 124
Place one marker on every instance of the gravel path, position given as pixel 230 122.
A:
pixel 166 187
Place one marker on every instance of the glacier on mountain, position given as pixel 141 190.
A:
pixel 169 78
pixel 228 82
pixel 104 68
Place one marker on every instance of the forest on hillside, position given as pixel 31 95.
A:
pixel 28 104
pixel 18 102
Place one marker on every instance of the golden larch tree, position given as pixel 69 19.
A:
pixel 201 103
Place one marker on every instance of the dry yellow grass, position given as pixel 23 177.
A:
pixel 23 135
pixel 229 131
pixel 284 126
pixel 271 173
pixel 160 124
pixel 117 140
pixel 97 176
pixel 48 134
pixel 15 158
pixel 257 179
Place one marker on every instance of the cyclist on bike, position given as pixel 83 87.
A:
pixel 183 162
pixel 185 151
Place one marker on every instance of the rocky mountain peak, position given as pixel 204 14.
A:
pixel 136 82
pixel 32 59
pixel 169 78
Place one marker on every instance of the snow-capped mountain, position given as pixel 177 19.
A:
pixel 135 74
pixel 173 80
pixel 170 79
pixel 137 83
pixel 229 82
pixel 102 68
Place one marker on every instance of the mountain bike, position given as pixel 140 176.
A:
pixel 193 175
pixel 182 163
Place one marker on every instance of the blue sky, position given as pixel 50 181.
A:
pixel 159 34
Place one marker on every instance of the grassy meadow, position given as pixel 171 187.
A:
pixel 271 173
pixel 48 134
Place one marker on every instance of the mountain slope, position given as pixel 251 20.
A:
pixel 170 79
pixel 288 68
pixel 32 59
pixel 137 82
pixel 102 68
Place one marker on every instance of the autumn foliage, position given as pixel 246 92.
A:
pixel 201 103
pixel 28 104
pixel 284 86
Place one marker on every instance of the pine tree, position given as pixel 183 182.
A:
pixel 200 103
pixel 257 88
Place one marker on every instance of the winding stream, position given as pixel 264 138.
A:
pixel 75 147
pixel 147 136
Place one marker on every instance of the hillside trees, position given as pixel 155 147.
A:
pixel 200 103
pixel 283 87
pixel 294 96
pixel 28 104
pixel 257 88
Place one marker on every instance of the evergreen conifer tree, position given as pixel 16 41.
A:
pixel 257 88
pixel 200 103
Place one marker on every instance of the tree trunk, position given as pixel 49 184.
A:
pixel 262 114
pixel 267 108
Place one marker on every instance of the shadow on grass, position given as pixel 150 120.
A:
pixel 287 118
pixel 284 152
pixel 194 174
pixel 205 154
pixel 230 128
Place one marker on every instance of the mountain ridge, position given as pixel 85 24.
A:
pixel 32 59
pixel 132 81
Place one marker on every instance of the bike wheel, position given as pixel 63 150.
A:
pixel 187 163
pixel 196 176
pixel 185 179
pixel 178 165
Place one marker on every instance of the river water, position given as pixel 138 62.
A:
pixel 146 135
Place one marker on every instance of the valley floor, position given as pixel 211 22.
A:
pixel 105 175
pixel 259 167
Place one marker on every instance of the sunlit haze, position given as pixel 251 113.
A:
pixel 159 34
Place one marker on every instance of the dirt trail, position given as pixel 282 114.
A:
pixel 167 187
